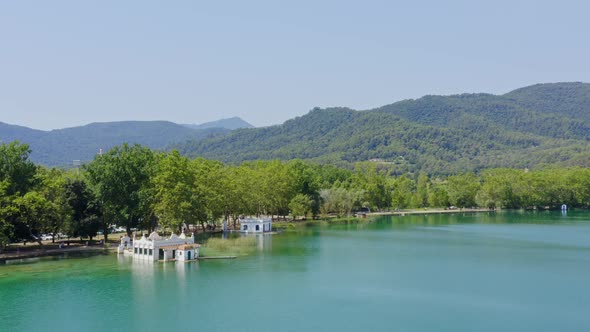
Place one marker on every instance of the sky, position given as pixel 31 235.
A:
pixel 69 63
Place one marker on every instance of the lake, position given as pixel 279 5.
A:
pixel 505 271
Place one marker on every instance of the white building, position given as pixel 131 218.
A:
pixel 255 225
pixel 125 244
pixel 154 247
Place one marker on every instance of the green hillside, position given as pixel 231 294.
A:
pixel 540 124
pixel 60 147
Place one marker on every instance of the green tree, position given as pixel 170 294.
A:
pixel 85 219
pixel 462 189
pixel 8 211
pixel 305 181
pixel 208 188
pixel 16 168
pixel 374 184
pixel 300 205
pixel 422 190
pixel 438 195
pixel 32 215
pixel 58 211
pixel 340 200
pixel 403 189
pixel 117 179
pixel 17 178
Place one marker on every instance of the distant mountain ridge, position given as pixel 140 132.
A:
pixel 61 146
pixel 539 124
pixel 542 124
pixel 229 123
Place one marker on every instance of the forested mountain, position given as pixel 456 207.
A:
pixel 230 123
pixel 539 124
pixel 60 147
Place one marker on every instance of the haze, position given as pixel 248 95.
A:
pixel 68 63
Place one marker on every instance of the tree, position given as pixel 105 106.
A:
pixel 497 189
pixel 208 190
pixel 403 188
pixel 422 190
pixel 117 179
pixel 52 188
pixel 462 189
pixel 17 178
pixel 438 196
pixel 7 212
pixel 16 168
pixel 300 205
pixel 374 183
pixel 340 200
pixel 177 199
pixel 86 218
pixel 306 181
pixel 235 186
pixel 32 215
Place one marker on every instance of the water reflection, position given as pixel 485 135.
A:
pixel 492 217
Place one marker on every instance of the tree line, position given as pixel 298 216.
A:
pixel 132 186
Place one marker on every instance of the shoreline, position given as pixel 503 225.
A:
pixel 39 253
pixel 428 211
pixel 42 252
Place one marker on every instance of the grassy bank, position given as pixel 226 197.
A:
pixel 238 246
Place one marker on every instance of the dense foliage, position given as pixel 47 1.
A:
pixel 135 187
pixel 540 124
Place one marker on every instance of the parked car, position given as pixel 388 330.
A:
pixel 46 237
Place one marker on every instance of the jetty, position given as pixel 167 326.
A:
pixel 216 257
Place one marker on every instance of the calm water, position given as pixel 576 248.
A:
pixel 485 272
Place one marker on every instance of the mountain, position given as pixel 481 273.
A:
pixel 539 124
pixel 60 147
pixel 231 124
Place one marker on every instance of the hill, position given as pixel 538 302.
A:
pixel 540 124
pixel 230 123
pixel 60 147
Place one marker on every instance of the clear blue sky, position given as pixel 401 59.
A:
pixel 67 63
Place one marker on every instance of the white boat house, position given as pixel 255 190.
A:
pixel 154 247
pixel 255 225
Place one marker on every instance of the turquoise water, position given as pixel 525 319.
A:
pixel 480 272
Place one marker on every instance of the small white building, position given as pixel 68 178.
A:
pixel 255 225
pixel 187 252
pixel 124 245
pixel 154 248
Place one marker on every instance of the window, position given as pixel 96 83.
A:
pixel 151 252
pixel 257 227
pixel 245 228
pixel 135 250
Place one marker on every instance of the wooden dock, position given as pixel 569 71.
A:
pixel 216 257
